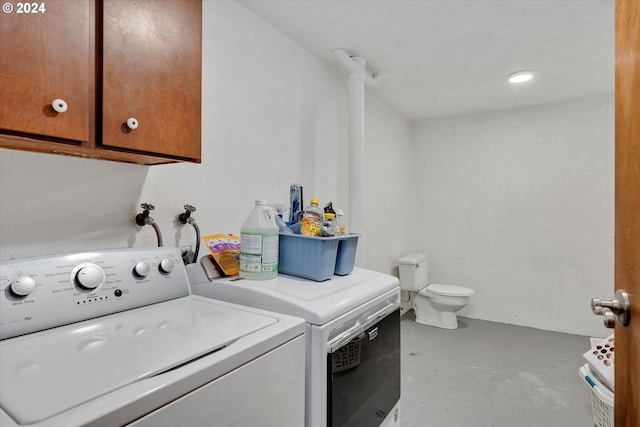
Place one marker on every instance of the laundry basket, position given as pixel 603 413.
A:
pixel 601 398
pixel 347 357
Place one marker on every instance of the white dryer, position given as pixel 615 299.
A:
pixel 114 337
pixel 353 340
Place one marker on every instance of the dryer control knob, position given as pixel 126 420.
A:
pixel 89 276
pixel 166 265
pixel 141 269
pixel 23 286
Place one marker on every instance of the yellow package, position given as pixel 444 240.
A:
pixel 225 249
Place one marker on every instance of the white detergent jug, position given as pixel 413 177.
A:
pixel 259 240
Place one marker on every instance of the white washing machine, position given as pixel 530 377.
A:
pixel 352 339
pixel 114 337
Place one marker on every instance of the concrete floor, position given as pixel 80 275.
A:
pixel 492 374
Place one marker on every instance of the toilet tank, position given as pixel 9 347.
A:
pixel 414 274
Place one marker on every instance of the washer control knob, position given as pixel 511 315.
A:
pixel 23 286
pixel 166 265
pixel 89 276
pixel 141 269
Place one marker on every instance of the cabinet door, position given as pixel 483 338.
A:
pixel 45 55
pixel 152 66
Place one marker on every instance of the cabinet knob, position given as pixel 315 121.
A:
pixel 59 105
pixel 132 123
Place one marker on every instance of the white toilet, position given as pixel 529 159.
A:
pixel 434 305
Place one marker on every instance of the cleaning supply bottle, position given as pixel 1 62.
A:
pixel 259 239
pixel 330 227
pixel 342 230
pixel 279 211
pixel 311 219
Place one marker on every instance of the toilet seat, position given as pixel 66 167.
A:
pixel 446 290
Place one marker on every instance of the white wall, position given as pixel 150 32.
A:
pixel 516 204
pixel 271 115
pixel 519 205
pixel 389 196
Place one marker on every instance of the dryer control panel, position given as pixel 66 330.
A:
pixel 54 290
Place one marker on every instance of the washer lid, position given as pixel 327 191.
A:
pixel 450 290
pixel 49 372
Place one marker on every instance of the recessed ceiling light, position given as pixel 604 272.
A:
pixel 521 77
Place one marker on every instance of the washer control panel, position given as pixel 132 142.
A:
pixel 47 291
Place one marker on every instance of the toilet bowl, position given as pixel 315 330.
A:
pixel 435 304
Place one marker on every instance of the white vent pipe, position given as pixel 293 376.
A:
pixel 358 76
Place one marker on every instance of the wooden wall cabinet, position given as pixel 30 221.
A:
pixel 126 76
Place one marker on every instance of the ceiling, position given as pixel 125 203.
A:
pixel 438 58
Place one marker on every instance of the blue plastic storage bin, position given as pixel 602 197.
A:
pixel 346 256
pixel 316 258
pixel 307 256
